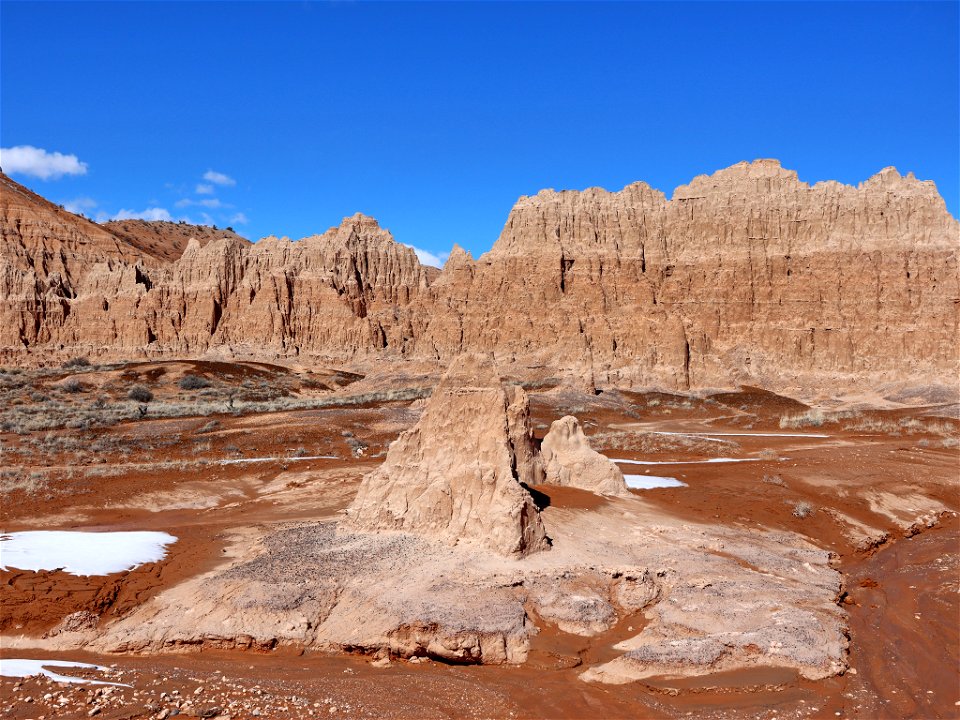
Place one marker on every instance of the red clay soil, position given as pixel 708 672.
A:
pixel 902 594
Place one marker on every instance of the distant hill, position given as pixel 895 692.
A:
pixel 165 240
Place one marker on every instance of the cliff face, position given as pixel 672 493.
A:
pixel 744 275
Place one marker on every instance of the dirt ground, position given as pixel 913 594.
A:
pixel 880 491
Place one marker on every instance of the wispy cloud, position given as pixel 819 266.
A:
pixel 211 203
pixel 428 258
pixel 37 162
pixel 151 213
pixel 203 189
pixel 218 178
pixel 239 219
pixel 79 205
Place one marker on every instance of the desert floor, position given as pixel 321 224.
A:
pixel 877 487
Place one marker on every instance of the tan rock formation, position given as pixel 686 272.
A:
pixel 569 460
pixel 456 474
pixel 745 276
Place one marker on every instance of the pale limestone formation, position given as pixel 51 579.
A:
pixel 568 460
pixel 748 275
pixel 456 475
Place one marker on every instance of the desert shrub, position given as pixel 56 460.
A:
pixel 802 509
pixel 77 362
pixel 811 418
pixel 209 427
pixel 140 393
pixel 950 442
pixel 72 386
pixel 768 454
pixel 774 480
pixel 299 452
pixel 17 479
pixel 193 382
pixel 201 447
pixel 357 447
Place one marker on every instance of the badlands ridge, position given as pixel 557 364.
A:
pixel 746 275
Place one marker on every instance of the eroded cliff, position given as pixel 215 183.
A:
pixel 748 274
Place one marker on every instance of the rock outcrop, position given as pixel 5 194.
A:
pixel 745 276
pixel 568 460
pixel 457 474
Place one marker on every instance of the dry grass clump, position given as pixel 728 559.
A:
pixel 76 362
pixel 769 454
pixel 811 418
pixel 773 480
pixel 17 479
pixel 802 509
pixel 209 427
pixel 896 427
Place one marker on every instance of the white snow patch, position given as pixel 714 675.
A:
pixel 683 434
pixel 238 461
pixel 683 462
pixel 649 482
pixel 21 668
pixel 714 435
pixel 82 553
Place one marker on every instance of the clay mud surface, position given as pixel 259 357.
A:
pixel 879 492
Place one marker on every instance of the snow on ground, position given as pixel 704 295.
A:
pixel 20 668
pixel 714 435
pixel 237 461
pixel 682 462
pixel 649 482
pixel 82 553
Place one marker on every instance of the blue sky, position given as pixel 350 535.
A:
pixel 435 117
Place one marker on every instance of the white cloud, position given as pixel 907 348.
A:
pixel 37 162
pixel 151 213
pixel 212 203
pixel 218 178
pixel 239 219
pixel 203 189
pixel 79 205
pixel 428 258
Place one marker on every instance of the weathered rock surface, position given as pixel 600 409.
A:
pixel 745 276
pixel 569 460
pixel 456 475
pixel 714 600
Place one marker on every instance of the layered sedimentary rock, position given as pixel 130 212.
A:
pixel 568 460
pixel 748 274
pixel 457 474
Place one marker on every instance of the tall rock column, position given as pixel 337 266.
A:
pixel 455 476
